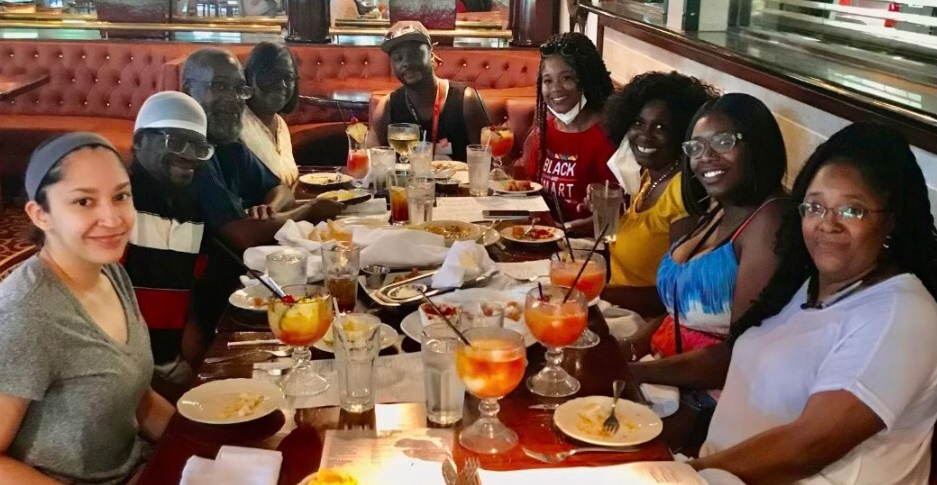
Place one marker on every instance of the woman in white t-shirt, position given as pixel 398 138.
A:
pixel 833 374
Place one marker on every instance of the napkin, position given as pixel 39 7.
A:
pixel 398 247
pixel 296 234
pixel 665 400
pixel 234 465
pixel 622 323
pixel 625 168
pixel 466 261
pixel 256 258
pixel 637 473
pixel 373 206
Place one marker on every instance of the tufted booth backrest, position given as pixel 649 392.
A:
pixel 98 79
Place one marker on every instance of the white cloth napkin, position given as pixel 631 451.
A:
pixel 622 323
pixel 466 260
pixel 296 234
pixel 234 465
pixel 373 206
pixel 256 258
pixel 665 400
pixel 398 247
pixel 625 168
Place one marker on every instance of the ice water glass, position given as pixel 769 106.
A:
pixel 357 343
pixel 607 200
pixel 341 263
pixel 421 159
pixel 445 393
pixel 287 266
pixel 478 158
pixel 382 161
pixel 421 195
pixel 479 314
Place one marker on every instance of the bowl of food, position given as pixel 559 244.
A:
pixel 327 476
pixel 452 231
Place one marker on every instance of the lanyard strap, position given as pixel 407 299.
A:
pixel 441 90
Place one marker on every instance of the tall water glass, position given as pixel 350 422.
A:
pixel 421 159
pixel 445 393
pixel 287 266
pixel 382 166
pixel 607 200
pixel 341 262
pixel 357 342
pixel 421 195
pixel 478 158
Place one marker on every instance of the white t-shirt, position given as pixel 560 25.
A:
pixel 880 344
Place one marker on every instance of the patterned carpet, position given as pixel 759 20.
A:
pixel 14 239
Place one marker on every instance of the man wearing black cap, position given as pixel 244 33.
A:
pixel 450 113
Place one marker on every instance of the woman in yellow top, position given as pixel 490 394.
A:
pixel 652 115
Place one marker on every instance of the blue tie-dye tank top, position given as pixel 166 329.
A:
pixel 706 284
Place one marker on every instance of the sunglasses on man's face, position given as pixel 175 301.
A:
pixel 188 149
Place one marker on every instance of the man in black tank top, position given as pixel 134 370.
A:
pixel 462 114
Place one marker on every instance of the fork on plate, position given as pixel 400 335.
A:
pixel 611 422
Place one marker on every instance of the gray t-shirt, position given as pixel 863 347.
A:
pixel 84 386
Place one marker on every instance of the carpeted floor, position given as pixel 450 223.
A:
pixel 14 239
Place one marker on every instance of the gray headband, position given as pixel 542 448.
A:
pixel 50 153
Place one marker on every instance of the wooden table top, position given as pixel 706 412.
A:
pixel 15 85
pixel 299 434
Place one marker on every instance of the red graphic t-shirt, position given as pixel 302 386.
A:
pixel 572 162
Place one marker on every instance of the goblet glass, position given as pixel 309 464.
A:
pixel 299 321
pixel 563 271
pixel 556 322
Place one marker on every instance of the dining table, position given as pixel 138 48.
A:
pixel 299 433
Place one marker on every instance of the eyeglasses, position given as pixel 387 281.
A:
pixel 242 91
pixel 563 49
pixel 190 150
pixel 268 80
pixel 812 210
pixel 720 143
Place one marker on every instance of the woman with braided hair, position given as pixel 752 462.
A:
pixel 830 377
pixel 567 149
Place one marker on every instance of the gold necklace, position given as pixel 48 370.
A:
pixel 649 187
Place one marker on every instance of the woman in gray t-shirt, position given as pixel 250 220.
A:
pixel 75 361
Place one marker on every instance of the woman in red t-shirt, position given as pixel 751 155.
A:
pixel 567 149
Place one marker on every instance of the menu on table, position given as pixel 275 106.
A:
pixel 470 209
pixel 395 457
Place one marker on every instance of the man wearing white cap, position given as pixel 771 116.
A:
pixel 169 145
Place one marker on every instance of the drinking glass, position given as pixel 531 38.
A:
pixel 500 139
pixel 403 136
pixel 445 393
pixel 491 367
pixel 300 322
pixel 341 262
pixel 382 160
pixel 478 159
pixel 606 200
pixel 421 159
pixel 563 271
pixel 287 266
pixel 358 161
pixel 477 314
pixel 555 324
pixel 397 193
pixel 357 343
pixel 421 194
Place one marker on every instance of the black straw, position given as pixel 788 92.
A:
pixel 559 215
pixel 272 286
pixel 583 268
pixel 446 319
pixel 540 287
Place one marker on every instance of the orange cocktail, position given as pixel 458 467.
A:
pixel 300 320
pixel 563 271
pixel 491 367
pixel 358 164
pixel 500 139
pixel 556 317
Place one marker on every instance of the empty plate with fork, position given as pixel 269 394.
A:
pixel 584 419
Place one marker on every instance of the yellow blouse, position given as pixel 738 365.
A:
pixel 643 238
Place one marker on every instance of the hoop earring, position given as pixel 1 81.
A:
pixel 887 243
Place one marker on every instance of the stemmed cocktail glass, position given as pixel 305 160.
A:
pixel 402 137
pixel 300 320
pixel 500 139
pixel 563 271
pixel 490 368
pixel 555 323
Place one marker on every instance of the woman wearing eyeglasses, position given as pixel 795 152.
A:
pixel 568 148
pixel 735 150
pixel 271 71
pixel 833 374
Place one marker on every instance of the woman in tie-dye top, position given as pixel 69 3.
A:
pixel 736 151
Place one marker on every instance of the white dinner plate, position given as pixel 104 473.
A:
pixel 582 419
pixel 507 233
pixel 453 165
pixel 412 325
pixel 217 402
pixel 325 179
pixel 499 186
pixel 388 337
pixel 247 298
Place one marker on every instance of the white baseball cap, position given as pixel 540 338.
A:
pixel 172 109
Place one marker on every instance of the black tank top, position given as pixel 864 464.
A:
pixel 451 119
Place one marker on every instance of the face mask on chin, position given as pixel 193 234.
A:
pixel 570 115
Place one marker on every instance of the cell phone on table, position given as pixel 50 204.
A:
pixel 505 214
